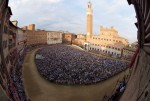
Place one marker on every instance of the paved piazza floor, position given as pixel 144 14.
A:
pixel 38 89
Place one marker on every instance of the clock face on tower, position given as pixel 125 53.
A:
pixel 88 33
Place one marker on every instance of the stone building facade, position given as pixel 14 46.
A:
pixel 21 40
pixel 107 42
pixel 80 40
pixel 35 37
pixel 68 38
pixel 6 37
pixel 54 37
pixel 12 32
pixel 8 50
pixel 138 87
pixel 129 51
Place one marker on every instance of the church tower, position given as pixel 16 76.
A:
pixel 89 22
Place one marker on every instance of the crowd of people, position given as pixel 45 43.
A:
pixel 63 64
pixel 119 91
pixel 16 78
pixel 15 82
pixel 66 65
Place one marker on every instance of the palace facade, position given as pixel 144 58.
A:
pixel 107 42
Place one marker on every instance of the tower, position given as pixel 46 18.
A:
pixel 89 22
pixel 31 27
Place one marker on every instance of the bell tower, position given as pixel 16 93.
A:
pixel 89 21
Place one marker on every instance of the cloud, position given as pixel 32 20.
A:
pixel 70 15
pixel 53 1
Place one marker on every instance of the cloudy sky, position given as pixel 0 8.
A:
pixel 70 15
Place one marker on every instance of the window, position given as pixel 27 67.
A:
pixel 5 29
pixel 0 23
pixel 7 60
pixel 5 44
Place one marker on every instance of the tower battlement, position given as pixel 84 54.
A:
pixel 111 29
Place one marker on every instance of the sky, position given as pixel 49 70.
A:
pixel 70 15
